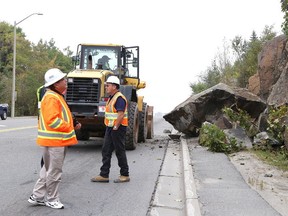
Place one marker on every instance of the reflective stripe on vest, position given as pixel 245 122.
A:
pixel 111 113
pixel 45 133
pixel 55 135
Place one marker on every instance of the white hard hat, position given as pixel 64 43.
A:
pixel 52 76
pixel 113 79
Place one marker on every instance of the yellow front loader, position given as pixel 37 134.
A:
pixel 86 95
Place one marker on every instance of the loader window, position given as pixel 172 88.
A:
pixel 105 58
pixel 132 64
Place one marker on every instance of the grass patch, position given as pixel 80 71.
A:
pixel 277 158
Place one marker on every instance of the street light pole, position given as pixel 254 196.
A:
pixel 14 64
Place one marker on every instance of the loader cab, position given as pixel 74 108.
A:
pixel 96 57
pixel 122 61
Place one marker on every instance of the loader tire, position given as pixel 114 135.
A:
pixel 133 127
pixel 150 123
pixel 143 123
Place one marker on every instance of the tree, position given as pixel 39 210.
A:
pixel 44 55
pixel 284 9
pixel 221 70
pixel 6 48
pixel 31 64
pixel 239 46
pixel 236 67
pixel 208 79
pixel 247 62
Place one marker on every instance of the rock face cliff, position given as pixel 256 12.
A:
pixel 267 86
pixel 270 81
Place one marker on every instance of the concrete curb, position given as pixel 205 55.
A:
pixel 192 206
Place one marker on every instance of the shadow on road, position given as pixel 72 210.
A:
pixel 93 144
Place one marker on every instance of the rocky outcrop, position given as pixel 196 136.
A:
pixel 271 62
pixel 254 84
pixel 188 116
pixel 269 83
pixel 271 80
pixel 278 95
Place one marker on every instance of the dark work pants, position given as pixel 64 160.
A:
pixel 114 140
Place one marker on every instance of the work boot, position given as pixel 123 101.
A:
pixel 122 179
pixel 99 178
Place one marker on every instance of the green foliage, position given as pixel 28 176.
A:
pixel 209 78
pixel 247 61
pixel 234 69
pixel 32 61
pixel 276 117
pixel 4 81
pixel 6 48
pixel 278 158
pixel 198 87
pixel 241 118
pixel 215 139
pixel 233 145
pixel 277 127
pixel 284 9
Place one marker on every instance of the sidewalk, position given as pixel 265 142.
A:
pixel 175 194
pixel 221 189
pixel 213 188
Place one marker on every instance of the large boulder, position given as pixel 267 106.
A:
pixel 188 116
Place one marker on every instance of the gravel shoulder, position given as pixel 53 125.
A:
pixel 268 181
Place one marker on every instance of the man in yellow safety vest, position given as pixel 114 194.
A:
pixel 116 121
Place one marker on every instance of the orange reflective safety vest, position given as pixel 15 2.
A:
pixel 55 125
pixel 111 113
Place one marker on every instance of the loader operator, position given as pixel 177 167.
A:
pixel 116 121
pixel 103 63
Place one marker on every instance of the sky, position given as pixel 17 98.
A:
pixel 178 39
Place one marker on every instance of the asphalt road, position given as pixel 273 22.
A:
pixel 20 165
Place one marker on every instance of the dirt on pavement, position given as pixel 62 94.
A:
pixel 270 182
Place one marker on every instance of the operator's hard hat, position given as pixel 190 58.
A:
pixel 113 79
pixel 105 57
pixel 52 76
